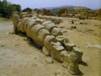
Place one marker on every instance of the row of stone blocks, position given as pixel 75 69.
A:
pixel 47 35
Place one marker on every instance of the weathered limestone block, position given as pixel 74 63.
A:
pixel 15 19
pixel 47 42
pixel 65 42
pixel 21 26
pixel 56 51
pixel 40 21
pixel 73 68
pixel 25 24
pixel 42 34
pixel 31 21
pixel 56 31
pixel 34 17
pixel 74 58
pixel 35 29
pixel 47 22
pixel 71 61
pixel 62 39
pixel 69 46
pixel 54 48
pixel 29 24
pixel 34 33
pixel 45 51
pixel 64 55
pixel 53 19
pixel 18 26
pixel 78 54
pixel 49 25
pixel 57 45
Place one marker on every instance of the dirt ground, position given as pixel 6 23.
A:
pixel 19 57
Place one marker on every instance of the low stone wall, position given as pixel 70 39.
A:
pixel 47 35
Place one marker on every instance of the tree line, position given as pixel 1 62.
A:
pixel 6 8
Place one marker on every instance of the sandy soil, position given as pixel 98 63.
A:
pixel 19 57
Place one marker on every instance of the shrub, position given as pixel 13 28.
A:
pixel 6 8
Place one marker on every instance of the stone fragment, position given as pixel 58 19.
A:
pixel 49 25
pixel 47 42
pixel 49 38
pixel 35 29
pixel 56 52
pixel 78 54
pixel 29 24
pixel 69 46
pixel 39 20
pixel 73 69
pixel 74 57
pixel 56 31
pixel 47 22
pixel 57 46
pixel 60 38
pixel 49 60
pixel 41 34
pixel 64 53
pixel 45 51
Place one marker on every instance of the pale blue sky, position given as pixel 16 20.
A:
pixel 54 3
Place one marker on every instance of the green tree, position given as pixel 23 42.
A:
pixel 6 8
pixel 27 10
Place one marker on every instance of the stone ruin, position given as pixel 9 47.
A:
pixel 45 33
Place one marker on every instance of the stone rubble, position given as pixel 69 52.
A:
pixel 47 35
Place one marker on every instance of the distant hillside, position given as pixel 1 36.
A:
pixel 71 7
pixel 70 11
